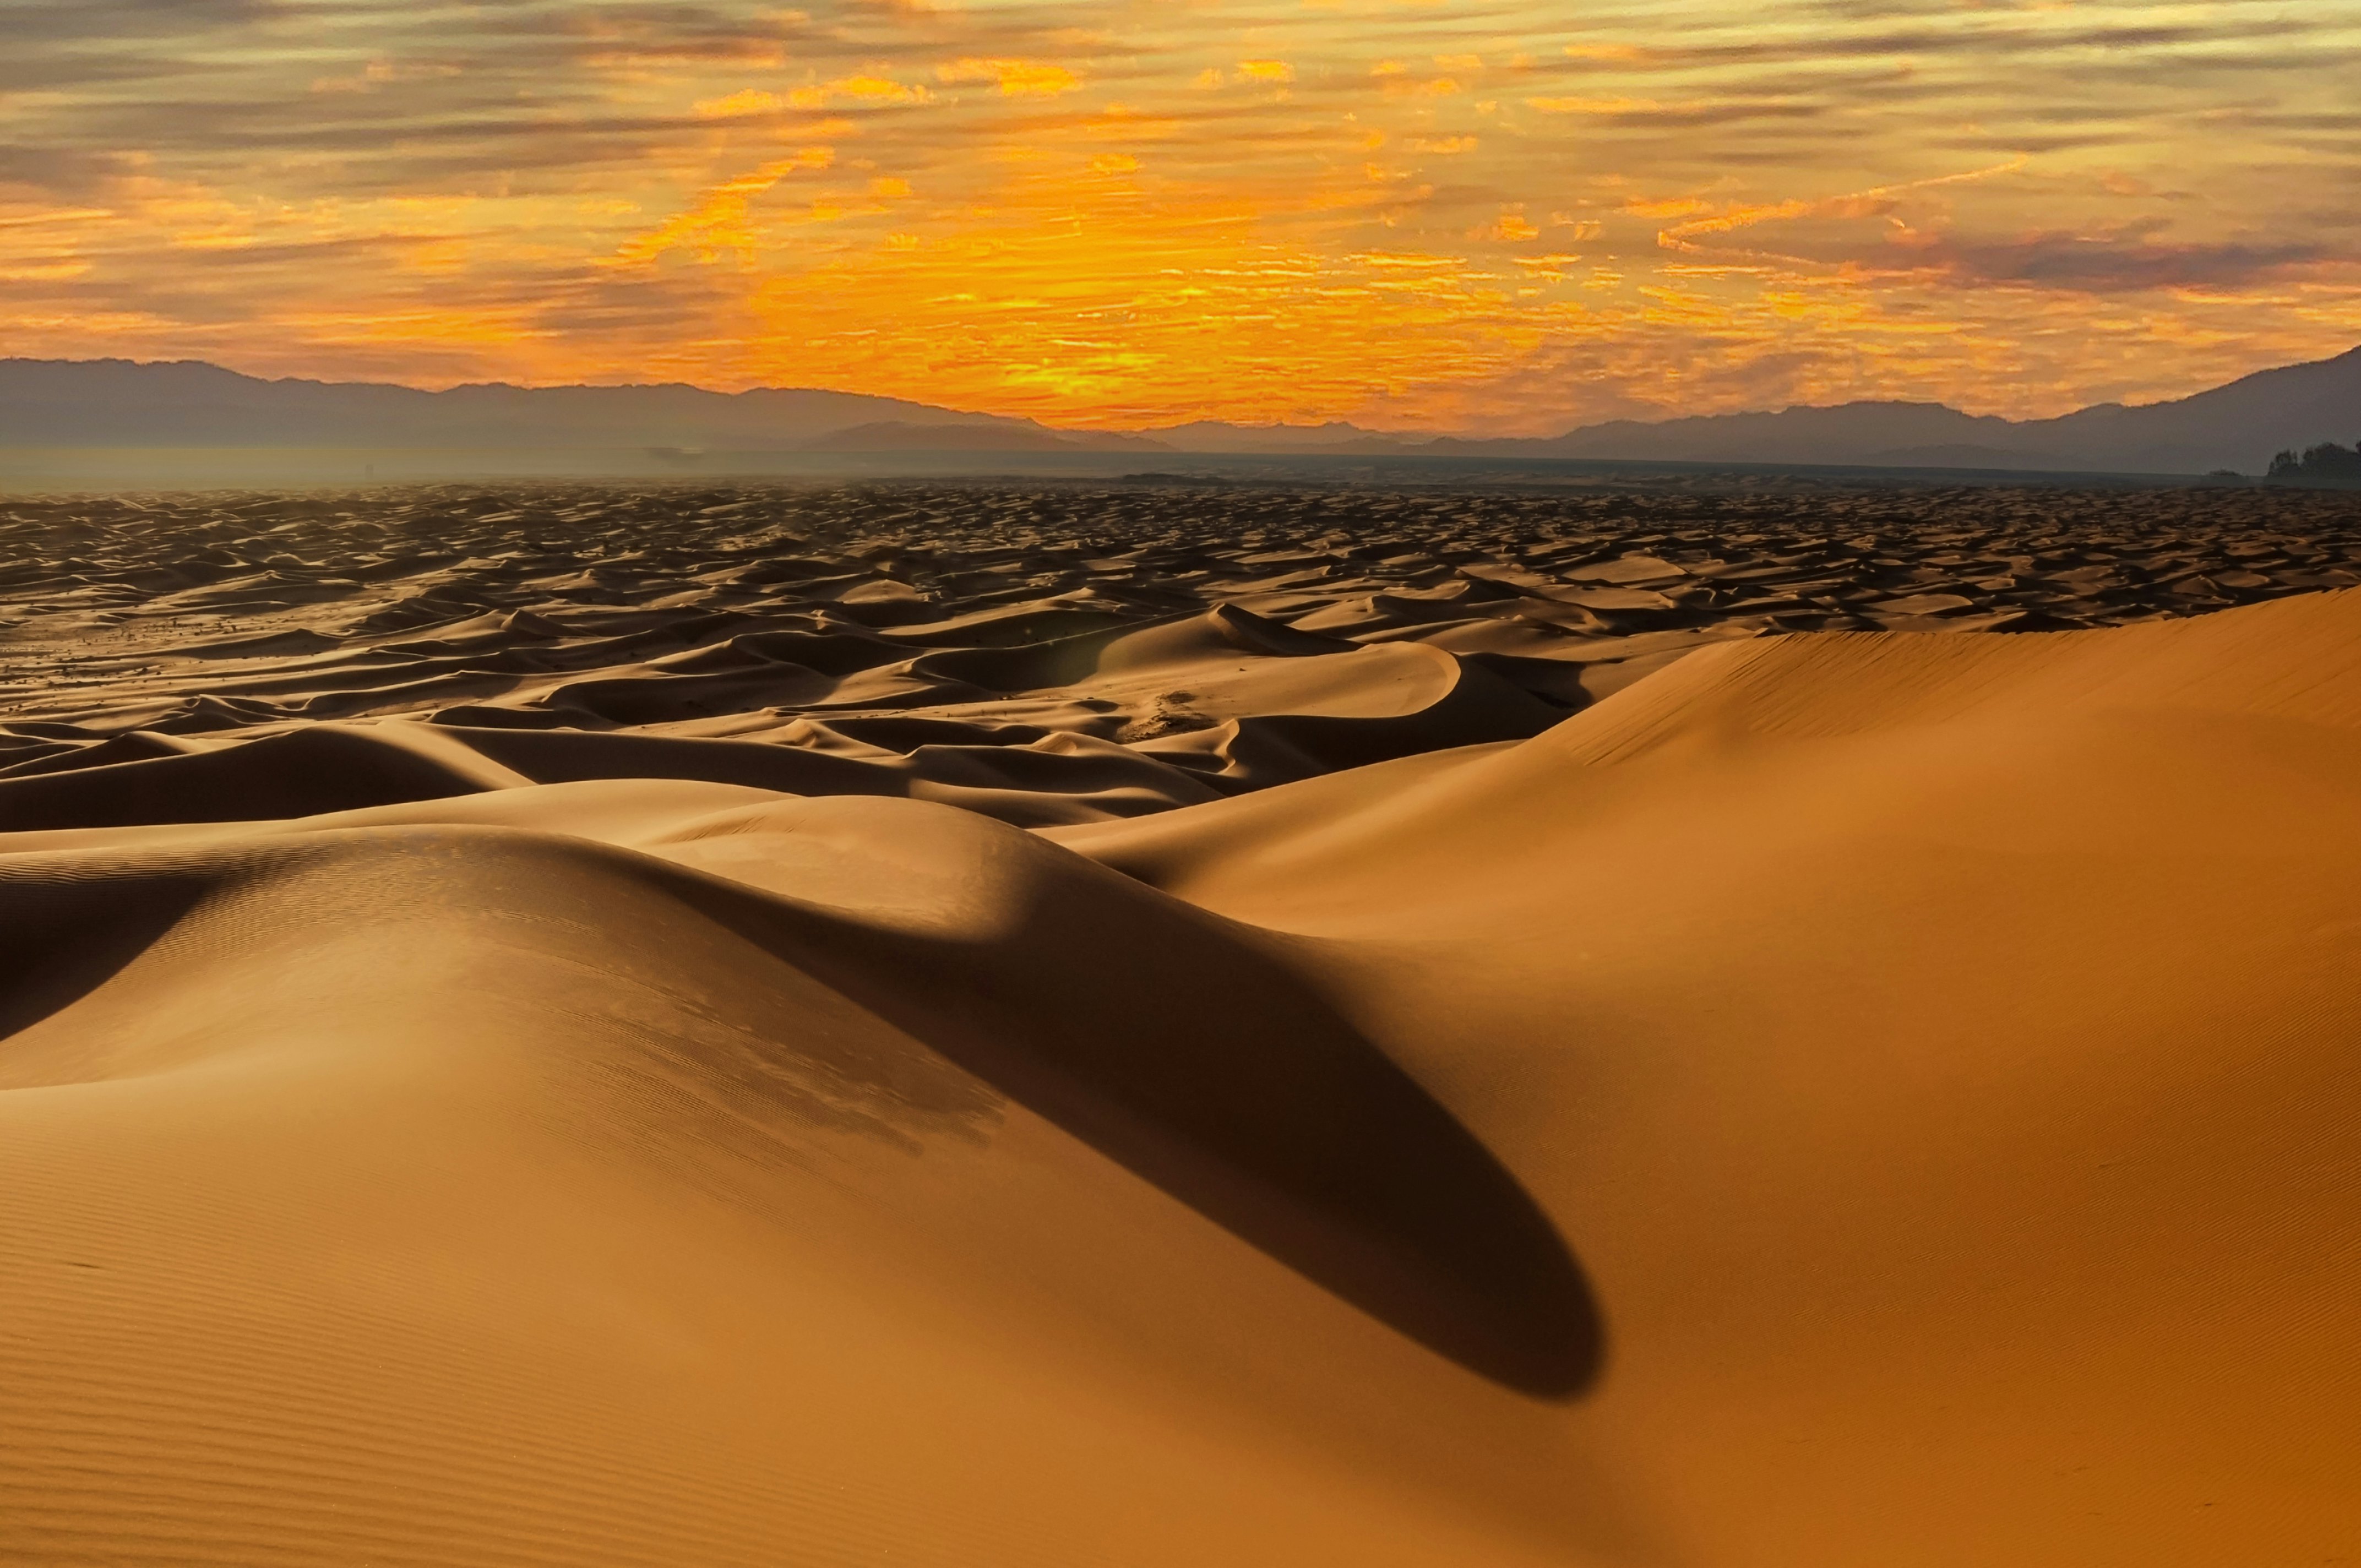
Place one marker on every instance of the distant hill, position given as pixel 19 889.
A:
pixel 1219 435
pixel 1846 434
pixel 113 403
pixel 2238 426
pixel 900 435
pixel 116 403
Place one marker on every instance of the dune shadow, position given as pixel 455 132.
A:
pixel 1170 1041
pixel 66 935
pixel 299 773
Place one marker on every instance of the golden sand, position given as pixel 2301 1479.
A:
pixel 1165 1080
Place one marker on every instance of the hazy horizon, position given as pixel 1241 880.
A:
pixel 1405 433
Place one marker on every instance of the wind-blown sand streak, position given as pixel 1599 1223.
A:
pixel 1845 1098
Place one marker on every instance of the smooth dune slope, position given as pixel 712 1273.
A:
pixel 1836 1101
pixel 1940 1051
pixel 467 1194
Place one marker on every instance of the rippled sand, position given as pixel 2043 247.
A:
pixel 1165 1024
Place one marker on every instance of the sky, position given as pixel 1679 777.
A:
pixel 1500 217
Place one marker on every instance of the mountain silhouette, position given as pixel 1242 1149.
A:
pixel 115 404
pixel 2238 426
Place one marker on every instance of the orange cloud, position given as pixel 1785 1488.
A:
pixel 1296 253
pixel 1593 105
pixel 750 101
pixel 1667 207
pixel 1872 202
pixel 859 90
pixel 1015 78
pixel 747 101
pixel 718 222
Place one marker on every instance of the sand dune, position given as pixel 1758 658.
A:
pixel 615 1082
pixel 1044 656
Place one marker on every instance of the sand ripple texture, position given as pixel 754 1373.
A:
pixel 1042 655
pixel 1779 1027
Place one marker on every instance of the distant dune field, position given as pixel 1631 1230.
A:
pixel 1767 1025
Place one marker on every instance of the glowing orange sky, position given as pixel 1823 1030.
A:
pixel 1512 217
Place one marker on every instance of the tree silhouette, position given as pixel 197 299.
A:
pixel 2326 466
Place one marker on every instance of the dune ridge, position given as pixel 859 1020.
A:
pixel 1212 1079
pixel 1051 655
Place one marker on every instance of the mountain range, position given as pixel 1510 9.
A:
pixel 2236 427
pixel 115 403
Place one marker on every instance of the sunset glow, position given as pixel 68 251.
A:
pixel 1517 216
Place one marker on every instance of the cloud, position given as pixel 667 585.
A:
pixel 746 101
pixel 36 22
pixel 1050 208
pixel 719 220
pixel 1015 78
pixel 1969 32
pixel 1595 105
pixel 862 91
pixel 2104 265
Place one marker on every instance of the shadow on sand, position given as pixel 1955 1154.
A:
pixel 1173 1043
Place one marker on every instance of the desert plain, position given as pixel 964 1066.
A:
pixel 1701 1020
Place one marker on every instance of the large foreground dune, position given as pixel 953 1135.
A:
pixel 1833 1099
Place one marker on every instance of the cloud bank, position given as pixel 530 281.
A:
pixel 1512 216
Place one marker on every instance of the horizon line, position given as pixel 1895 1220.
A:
pixel 1404 434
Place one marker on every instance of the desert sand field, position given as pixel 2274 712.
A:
pixel 1767 1025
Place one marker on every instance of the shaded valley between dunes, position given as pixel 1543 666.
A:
pixel 1751 1022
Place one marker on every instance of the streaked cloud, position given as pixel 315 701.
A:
pixel 1421 215
pixel 2117 263
pixel 1015 78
